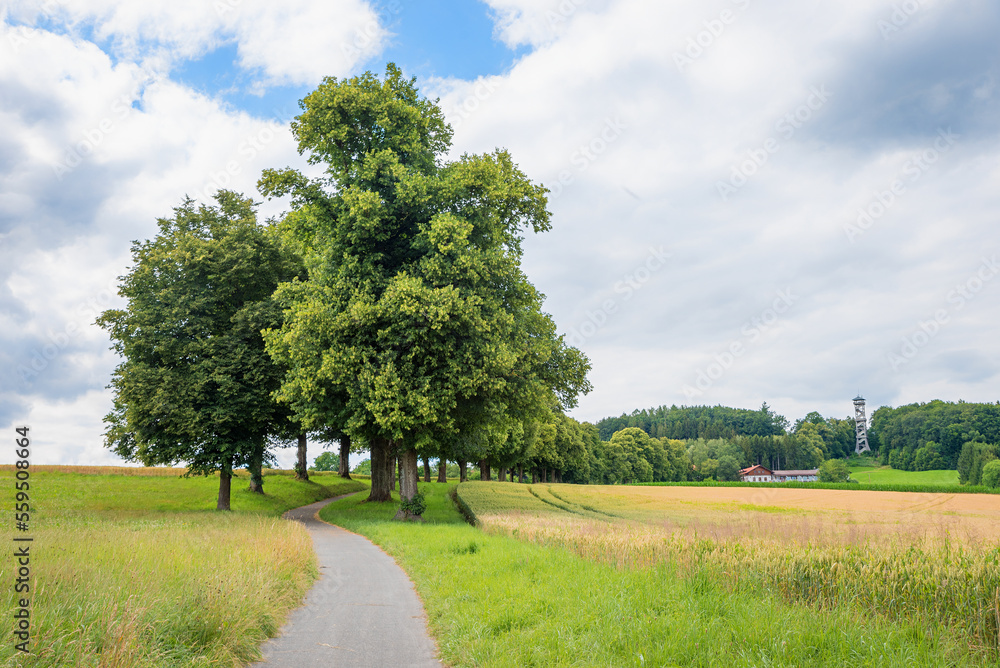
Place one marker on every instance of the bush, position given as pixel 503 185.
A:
pixel 327 461
pixel 991 474
pixel 928 458
pixel 834 470
pixel 415 506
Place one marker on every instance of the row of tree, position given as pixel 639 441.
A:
pixel 387 310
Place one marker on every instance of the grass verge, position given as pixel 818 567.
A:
pixel 135 570
pixel 494 600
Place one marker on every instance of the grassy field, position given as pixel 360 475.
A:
pixel 136 569
pixel 514 594
pixel 870 475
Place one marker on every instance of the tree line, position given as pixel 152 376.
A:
pixel 688 422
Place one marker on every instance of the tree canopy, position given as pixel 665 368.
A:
pixel 416 326
pixel 195 382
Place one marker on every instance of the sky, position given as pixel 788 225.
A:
pixel 752 201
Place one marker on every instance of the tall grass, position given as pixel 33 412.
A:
pixel 897 572
pixel 136 571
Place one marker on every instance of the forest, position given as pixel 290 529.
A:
pixel 939 435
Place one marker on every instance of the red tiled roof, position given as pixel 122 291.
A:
pixel 747 470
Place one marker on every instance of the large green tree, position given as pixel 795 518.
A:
pixel 416 327
pixel 195 383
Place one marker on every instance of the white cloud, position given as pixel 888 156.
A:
pixel 296 41
pixel 94 153
pixel 687 127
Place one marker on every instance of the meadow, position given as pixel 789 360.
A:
pixel 871 475
pixel 563 575
pixel 136 568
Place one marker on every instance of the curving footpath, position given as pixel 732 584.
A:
pixel 363 610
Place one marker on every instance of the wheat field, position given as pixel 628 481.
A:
pixel 928 557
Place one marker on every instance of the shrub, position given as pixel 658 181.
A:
pixel 991 474
pixel 834 470
pixel 415 506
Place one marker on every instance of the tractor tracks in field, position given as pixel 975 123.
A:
pixel 564 504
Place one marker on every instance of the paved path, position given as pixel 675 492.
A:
pixel 363 610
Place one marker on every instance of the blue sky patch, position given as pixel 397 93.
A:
pixel 444 38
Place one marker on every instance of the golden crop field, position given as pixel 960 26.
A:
pixel 934 557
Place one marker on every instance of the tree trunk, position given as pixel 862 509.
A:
pixel 542 474
pixel 256 474
pixel 484 470
pixel 502 474
pixel 399 473
pixel 225 484
pixel 520 472
pixel 552 475
pixel 427 469
pixel 382 473
pixel 463 471
pixel 302 464
pixel 442 470
pixel 559 476
pixel 534 475
pixel 408 477
pixel 345 457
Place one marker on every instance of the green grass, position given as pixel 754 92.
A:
pixel 493 600
pixel 140 571
pixel 870 475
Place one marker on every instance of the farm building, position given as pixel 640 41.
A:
pixel 756 474
pixel 760 473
